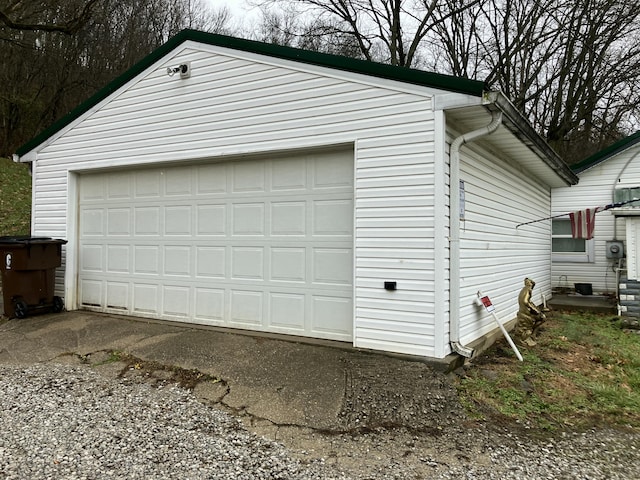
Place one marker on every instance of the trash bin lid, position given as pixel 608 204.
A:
pixel 27 240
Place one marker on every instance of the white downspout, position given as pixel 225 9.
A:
pixel 454 229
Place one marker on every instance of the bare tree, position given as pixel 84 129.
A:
pixel 46 16
pixel 573 67
pixel 390 31
pixel 46 72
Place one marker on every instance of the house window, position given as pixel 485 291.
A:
pixel 565 248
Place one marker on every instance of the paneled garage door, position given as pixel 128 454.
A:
pixel 261 244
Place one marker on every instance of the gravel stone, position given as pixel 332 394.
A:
pixel 70 422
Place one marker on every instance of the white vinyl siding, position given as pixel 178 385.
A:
pixel 241 104
pixel 495 257
pixel 595 189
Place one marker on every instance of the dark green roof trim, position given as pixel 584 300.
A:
pixel 390 72
pixel 606 153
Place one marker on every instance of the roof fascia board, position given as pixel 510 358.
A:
pixel 392 72
pixel 448 101
pixel 521 128
pixel 389 72
pixel 606 153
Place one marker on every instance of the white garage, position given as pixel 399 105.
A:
pixel 264 244
pixel 233 183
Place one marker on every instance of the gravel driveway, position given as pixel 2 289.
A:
pixel 70 421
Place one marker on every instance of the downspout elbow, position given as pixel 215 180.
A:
pixel 454 229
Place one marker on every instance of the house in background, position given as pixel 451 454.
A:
pixel 232 183
pixel 610 261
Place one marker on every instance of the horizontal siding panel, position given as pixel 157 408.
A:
pixel 403 294
pixel 405 348
pixel 233 114
pixel 394 181
pixel 393 243
pixel 395 304
pixel 395 273
pixel 408 201
pixel 403 233
pixel 386 212
pixel 410 168
pixel 399 263
pixel 397 336
pixel 394 316
pixel 382 192
pixel 262 128
pixel 394 222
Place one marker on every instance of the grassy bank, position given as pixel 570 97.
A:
pixel 15 198
pixel 583 371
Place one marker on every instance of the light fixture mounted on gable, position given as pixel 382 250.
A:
pixel 184 69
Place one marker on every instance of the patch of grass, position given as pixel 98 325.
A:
pixel 583 371
pixel 15 198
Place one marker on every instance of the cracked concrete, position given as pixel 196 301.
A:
pixel 325 400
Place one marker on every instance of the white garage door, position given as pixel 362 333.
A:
pixel 263 244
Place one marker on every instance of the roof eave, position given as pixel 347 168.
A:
pixel 606 153
pixel 516 122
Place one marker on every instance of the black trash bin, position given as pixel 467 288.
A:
pixel 28 266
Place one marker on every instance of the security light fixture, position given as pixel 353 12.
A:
pixel 184 69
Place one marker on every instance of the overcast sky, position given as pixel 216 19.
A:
pixel 238 8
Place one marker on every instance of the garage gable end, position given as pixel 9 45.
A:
pixel 334 62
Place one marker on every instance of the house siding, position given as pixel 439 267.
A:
pixel 495 256
pixel 596 189
pixel 242 105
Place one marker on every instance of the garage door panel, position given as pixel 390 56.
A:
pixel 147 221
pixel 288 218
pixel 146 260
pixel 177 221
pixel 117 295
pixel 287 311
pixel 92 222
pixel 118 259
pixel 210 305
pixel 147 184
pixel 249 176
pixel 91 257
pixel 212 179
pixel 332 172
pixel 211 262
pixel 118 186
pixel 211 220
pixel 259 244
pixel 329 314
pixel 146 298
pixel 288 264
pixel 90 292
pixel 119 222
pixel 177 182
pixel 288 176
pixel 175 301
pixel 333 266
pixel 333 218
pixel 177 260
pixel 246 307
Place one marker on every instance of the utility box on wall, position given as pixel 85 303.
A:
pixel 615 249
